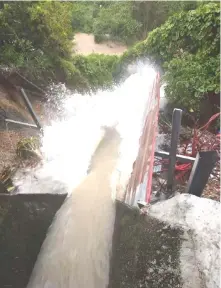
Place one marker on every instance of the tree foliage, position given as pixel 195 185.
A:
pixel 82 16
pixel 152 14
pixel 127 21
pixel 187 47
pixel 34 34
pixel 182 37
pixel 116 21
pixel 190 77
pixel 96 69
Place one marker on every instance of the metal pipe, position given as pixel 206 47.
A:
pixel 176 123
pixel 30 109
pixel 180 158
pixel 21 123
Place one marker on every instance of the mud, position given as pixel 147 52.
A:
pixel 85 44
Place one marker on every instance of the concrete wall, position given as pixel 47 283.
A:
pixel 145 251
pixel 24 221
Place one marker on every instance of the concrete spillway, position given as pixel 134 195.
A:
pixel 78 250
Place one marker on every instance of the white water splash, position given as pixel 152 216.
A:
pixel 69 142
pixel 76 251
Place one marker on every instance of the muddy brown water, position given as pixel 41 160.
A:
pixel 85 44
pixel 76 251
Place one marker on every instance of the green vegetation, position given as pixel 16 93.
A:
pixel 115 21
pixel 191 77
pixel 127 21
pixel 187 48
pixel 181 37
pixel 34 35
pixel 37 40
pixel 28 148
pixel 96 70
pixel 82 16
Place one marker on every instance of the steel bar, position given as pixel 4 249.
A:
pixel 30 108
pixel 31 83
pixel 176 123
pixel 180 158
pixel 21 123
pixel 202 168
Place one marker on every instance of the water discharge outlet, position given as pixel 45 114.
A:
pixel 75 222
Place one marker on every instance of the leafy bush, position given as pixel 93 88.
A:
pixel 33 35
pixel 82 16
pixel 187 31
pixel 184 32
pixel 152 14
pixel 187 47
pixel 116 21
pixel 97 69
pixel 190 78
pixel 98 38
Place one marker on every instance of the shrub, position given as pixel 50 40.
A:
pixel 116 21
pixel 190 78
pixel 187 47
pixel 98 69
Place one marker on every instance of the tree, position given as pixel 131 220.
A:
pixel 34 34
pixel 187 47
pixel 116 21
pixel 82 16
pixel 152 14
pixel 190 78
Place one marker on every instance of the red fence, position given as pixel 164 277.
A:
pixel 140 182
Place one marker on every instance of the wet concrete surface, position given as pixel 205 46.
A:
pixel 145 251
pixel 76 251
pixel 24 221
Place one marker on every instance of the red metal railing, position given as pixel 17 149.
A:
pixel 140 182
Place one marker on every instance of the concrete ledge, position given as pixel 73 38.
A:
pixel 146 252
pixel 24 221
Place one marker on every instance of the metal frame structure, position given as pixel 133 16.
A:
pixel 176 123
pixel 37 124
pixel 203 164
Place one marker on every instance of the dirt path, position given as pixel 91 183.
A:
pixel 85 44
pixel 76 252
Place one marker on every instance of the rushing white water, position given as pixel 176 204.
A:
pixel 76 252
pixel 70 140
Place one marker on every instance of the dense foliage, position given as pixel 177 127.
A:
pixel 82 16
pixel 191 77
pixel 37 39
pixel 183 38
pixel 187 46
pixel 96 70
pixel 127 21
pixel 116 22
pixel 34 35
